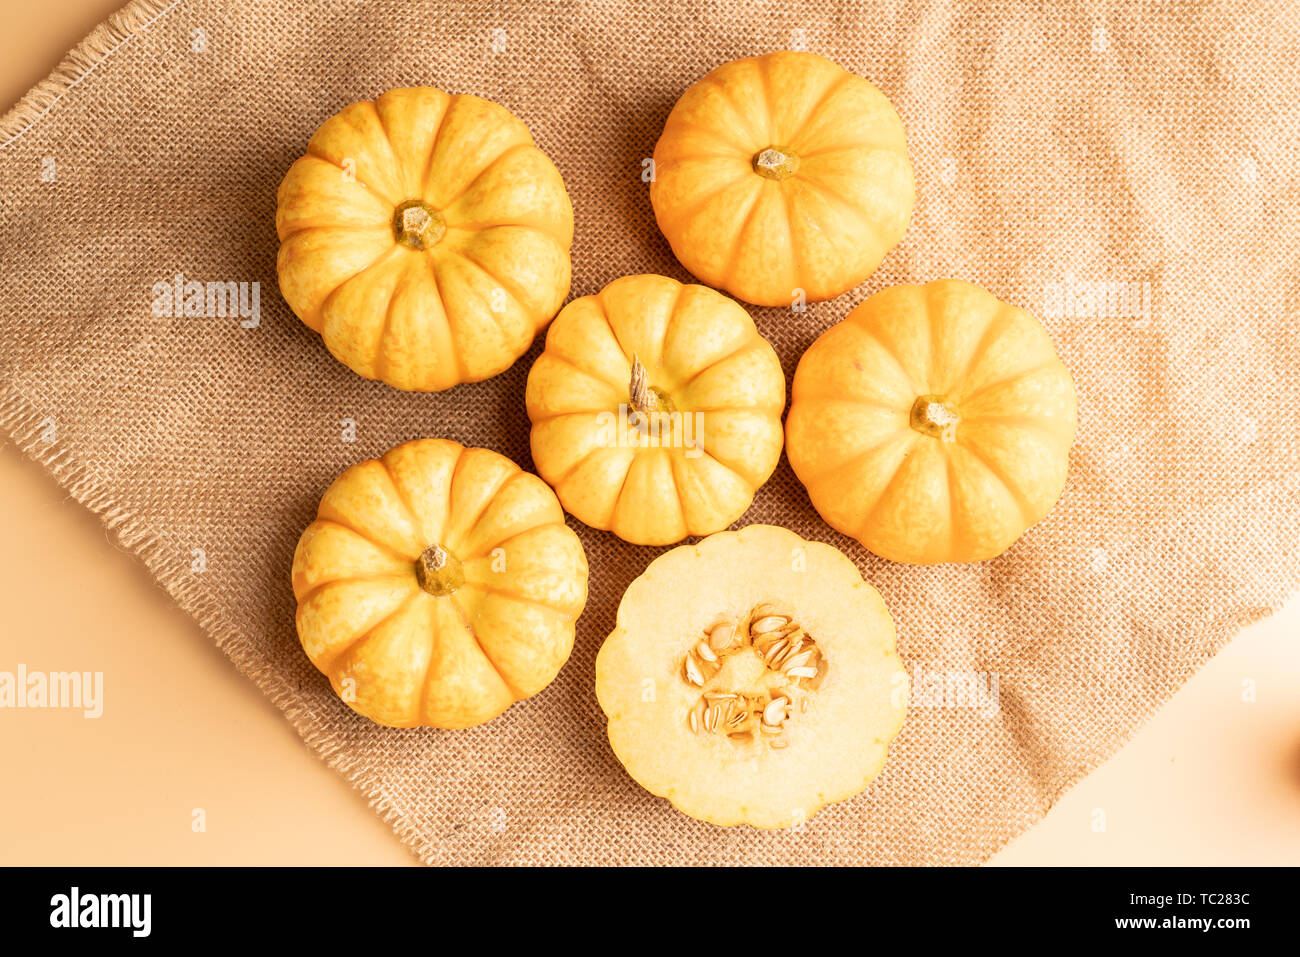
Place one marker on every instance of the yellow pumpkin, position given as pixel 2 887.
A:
pixel 656 409
pixel 752 679
pixel 438 585
pixel 933 424
pixel 425 238
pixel 782 178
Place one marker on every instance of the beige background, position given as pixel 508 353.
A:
pixel 1212 779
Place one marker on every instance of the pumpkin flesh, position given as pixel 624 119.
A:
pixel 836 738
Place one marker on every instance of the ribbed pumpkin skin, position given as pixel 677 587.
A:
pixel 819 231
pixel 703 352
pixel 968 492
pixel 470 303
pixel 402 656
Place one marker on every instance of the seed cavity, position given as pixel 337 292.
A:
pixel 787 651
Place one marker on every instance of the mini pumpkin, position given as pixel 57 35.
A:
pixel 656 409
pixel 782 177
pixel 752 679
pixel 438 585
pixel 933 424
pixel 425 238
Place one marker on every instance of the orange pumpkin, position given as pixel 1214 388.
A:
pixel 782 177
pixel 656 409
pixel 425 238
pixel 933 424
pixel 438 585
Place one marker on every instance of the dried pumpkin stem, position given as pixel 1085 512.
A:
pixel 932 416
pixel 438 571
pixel 645 398
pixel 775 163
pixel 417 225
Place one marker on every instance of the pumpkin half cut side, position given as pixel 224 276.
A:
pixel 752 678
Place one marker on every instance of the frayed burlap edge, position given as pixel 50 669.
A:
pixel 81 61
pixel 23 425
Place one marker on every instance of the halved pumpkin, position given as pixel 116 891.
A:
pixel 752 679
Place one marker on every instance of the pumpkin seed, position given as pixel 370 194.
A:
pixel 710 719
pixel 775 712
pixel 771 623
pixel 722 636
pixel 799 659
pixel 782 656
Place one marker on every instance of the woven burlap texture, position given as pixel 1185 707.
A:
pixel 1127 172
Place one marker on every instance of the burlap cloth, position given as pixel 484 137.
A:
pixel 1129 173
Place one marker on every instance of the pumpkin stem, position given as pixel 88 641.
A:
pixel 438 571
pixel 775 163
pixel 646 399
pixel 418 226
pixel 932 416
